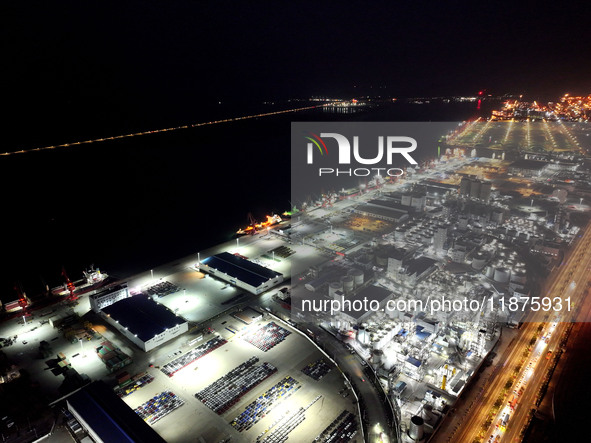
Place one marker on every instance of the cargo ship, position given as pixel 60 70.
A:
pixel 254 227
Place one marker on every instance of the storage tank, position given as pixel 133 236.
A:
pixel 363 336
pixel 347 283
pixel 416 431
pixel 399 234
pixel 502 275
pixel 490 272
pixel 334 287
pixel 479 261
pixel 357 275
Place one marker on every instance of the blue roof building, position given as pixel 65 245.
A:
pixel 241 272
pixel 143 321
pixel 106 418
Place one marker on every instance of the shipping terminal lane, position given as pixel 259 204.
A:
pixel 574 269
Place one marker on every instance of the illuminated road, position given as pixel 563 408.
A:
pixel 531 385
pixel 574 269
pixel 471 426
pixel 157 131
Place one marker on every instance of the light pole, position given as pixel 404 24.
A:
pixel 81 348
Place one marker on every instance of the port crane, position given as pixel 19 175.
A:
pixel 69 285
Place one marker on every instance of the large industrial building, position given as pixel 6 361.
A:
pixel 241 272
pixel 383 210
pixel 145 322
pixel 106 418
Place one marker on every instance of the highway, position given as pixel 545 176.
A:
pixel 471 427
pixel 574 269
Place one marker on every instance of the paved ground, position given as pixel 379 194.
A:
pixel 194 420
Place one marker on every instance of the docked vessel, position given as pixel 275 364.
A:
pixel 255 227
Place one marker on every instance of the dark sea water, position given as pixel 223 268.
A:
pixel 131 204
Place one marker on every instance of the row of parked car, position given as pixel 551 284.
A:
pixel 158 407
pixel 341 430
pixel 266 337
pixel 194 354
pixel 317 369
pixel 280 432
pixel 256 410
pixel 163 288
pixel 227 390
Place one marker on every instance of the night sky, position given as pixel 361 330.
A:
pixel 123 63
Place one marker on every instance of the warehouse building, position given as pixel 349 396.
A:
pixel 145 322
pixel 106 418
pixel 241 272
pixel 387 213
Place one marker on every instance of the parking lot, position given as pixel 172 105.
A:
pixel 194 420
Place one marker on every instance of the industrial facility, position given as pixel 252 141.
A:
pixel 241 272
pixel 144 322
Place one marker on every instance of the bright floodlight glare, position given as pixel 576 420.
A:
pixel 573 285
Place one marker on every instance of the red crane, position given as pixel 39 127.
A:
pixel 69 285
pixel 22 297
